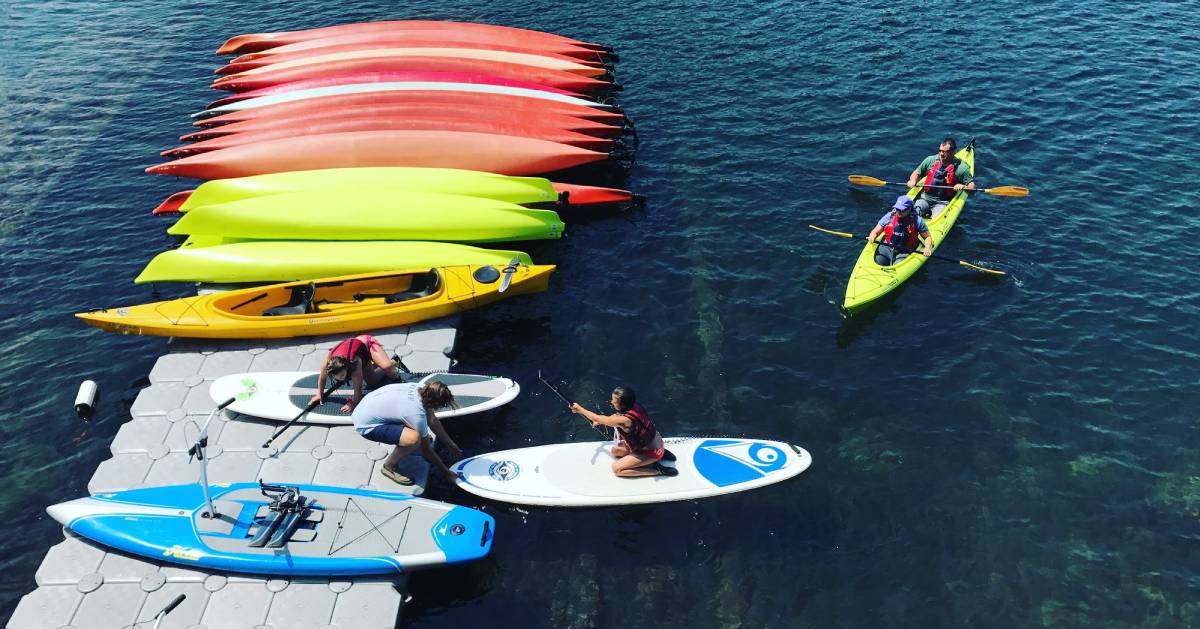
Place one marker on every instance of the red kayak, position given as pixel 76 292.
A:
pixel 447 99
pixel 576 195
pixel 267 77
pixel 386 77
pixel 279 55
pixel 485 33
pixel 502 154
pixel 409 111
pixel 443 38
pixel 397 123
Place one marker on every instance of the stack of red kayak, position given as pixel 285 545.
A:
pixel 407 93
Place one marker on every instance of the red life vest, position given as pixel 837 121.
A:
pixel 941 175
pixel 907 229
pixel 350 349
pixel 641 433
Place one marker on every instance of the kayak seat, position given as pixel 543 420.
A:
pixel 421 286
pixel 299 303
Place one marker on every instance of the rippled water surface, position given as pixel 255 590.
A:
pixel 987 453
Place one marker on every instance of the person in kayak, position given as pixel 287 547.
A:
pixel 403 415
pixel 902 231
pixel 942 169
pixel 358 359
pixel 641 447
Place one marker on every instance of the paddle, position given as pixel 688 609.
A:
pixel 1000 191
pixel 507 281
pixel 568 403
pixel 311 405
pixel 935 256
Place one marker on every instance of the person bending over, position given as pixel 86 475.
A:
pixel 404 415
pixel 358 359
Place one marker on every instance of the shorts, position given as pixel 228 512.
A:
pixel 386 433
pixel 370 342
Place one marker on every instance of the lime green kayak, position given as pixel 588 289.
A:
pixel 333 215
pixel 218 261
pixel 870 281
pixel 367 183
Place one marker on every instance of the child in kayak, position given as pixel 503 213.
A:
pixel 358 359
pixel 641 446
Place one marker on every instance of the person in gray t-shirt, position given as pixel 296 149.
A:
pixel 403 415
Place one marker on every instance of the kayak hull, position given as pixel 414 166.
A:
pixel 332 46
pixel 505 155
pixel 479 54
pixel 254 42
pixel 230 261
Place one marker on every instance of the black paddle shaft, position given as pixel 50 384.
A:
pixel 556 391
pixel 328 392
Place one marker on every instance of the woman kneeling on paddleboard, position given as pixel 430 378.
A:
pixel 356 359
pixel 641 446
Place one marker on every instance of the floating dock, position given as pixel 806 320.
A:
pixel 81 585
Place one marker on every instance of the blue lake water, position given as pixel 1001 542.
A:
pixel 987 453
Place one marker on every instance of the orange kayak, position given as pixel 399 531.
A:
pixel 268 77
pixel 370 101
pixel 501 154
pixel 411 111
pixel 483 54
pixel 412 37
pixel 484 33
pixel 395 123
pixel 279 55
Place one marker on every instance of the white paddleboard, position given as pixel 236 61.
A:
pixel 580 474
pixel 281 395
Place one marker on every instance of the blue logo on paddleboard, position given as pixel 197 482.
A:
pixel 725 462
pixel 504 470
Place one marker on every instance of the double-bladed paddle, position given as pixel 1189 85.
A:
pixel 1000 191
pixel 975 267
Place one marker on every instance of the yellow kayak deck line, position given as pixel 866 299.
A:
pixel 869 281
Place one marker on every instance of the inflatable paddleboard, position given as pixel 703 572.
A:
pixel 281 395
pixel 580 474
pixel 299 530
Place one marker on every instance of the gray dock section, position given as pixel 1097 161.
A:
pixel 83 586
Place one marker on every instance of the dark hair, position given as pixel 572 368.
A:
pixel 437 395
pixel 626 398
pixel 338 363
pixel 951 142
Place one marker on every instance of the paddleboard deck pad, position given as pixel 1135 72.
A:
pixel 336 531
pixel 281 395
pixel 580 474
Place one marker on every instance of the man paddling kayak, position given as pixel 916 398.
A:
pixel 404 415
pixel 940 170
pixel 902 231
pixel 641 446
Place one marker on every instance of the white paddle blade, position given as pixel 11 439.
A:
pixel 508 273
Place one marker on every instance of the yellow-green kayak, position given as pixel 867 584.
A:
pixel 870 281
pixel 367 183
pixel 221 261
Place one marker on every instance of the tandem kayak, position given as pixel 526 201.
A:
pixel 870 281
pixel 231 261
pixel 335 215
pixel 333 305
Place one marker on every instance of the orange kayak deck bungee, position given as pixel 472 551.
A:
pixel 516 75
pixel 335 305
pixel 255 42
pixel 502 154
pixel 348 124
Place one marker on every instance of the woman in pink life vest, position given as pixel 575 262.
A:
pixel 941 176
pixel 902 231
pixel 358 359
pixel 641 446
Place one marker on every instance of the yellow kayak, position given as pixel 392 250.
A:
pixel 870 281
pixel 334 305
